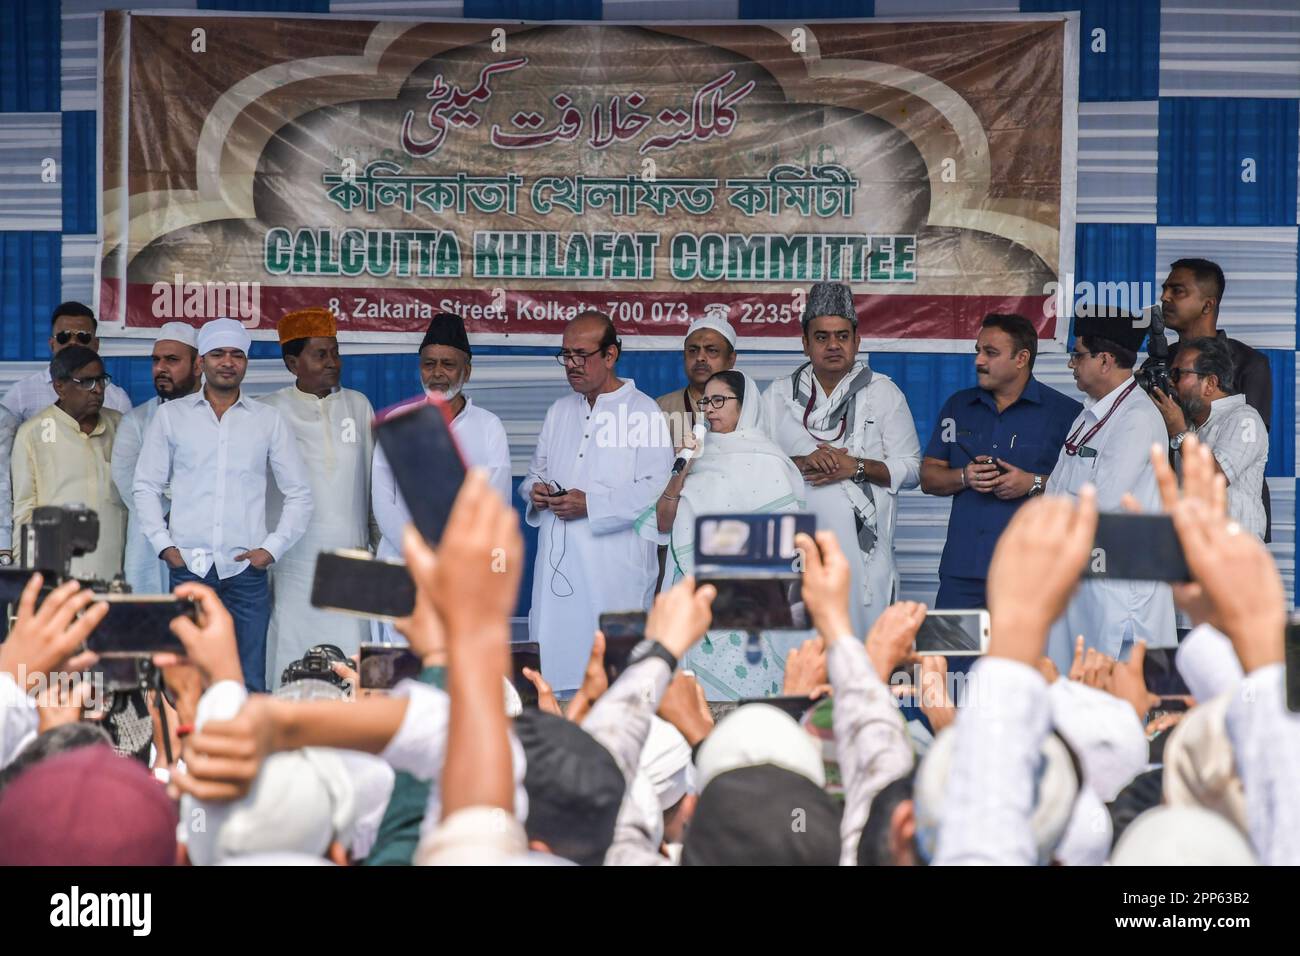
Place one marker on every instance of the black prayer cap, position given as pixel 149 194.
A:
pixel 447 329
pixel 574 787
pixel 1124 330
pixel 763 816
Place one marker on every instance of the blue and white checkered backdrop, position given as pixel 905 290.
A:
pixel 1179 103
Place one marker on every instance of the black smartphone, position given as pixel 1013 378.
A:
pixel 753 562
pixel 796 707
pixel 525 654
pixel 353 582
pixel 139 625
pixel 383 666
pixel 426 461
pixel 1292 658
pixel 1132 547
pixel 1160 673
pixel 555 489
pixel 623 631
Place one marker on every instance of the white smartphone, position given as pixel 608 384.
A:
pixel 954 633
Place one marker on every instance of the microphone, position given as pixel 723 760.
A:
pixel 699 431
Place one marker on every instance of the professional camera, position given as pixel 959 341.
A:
pixel 1154 372
pixel 50 540
pixel 317 664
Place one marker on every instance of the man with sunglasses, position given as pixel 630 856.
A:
pixel 71 324
pixel 602 458
pixel 1205 383
pixel 1109 447
pixel 62 456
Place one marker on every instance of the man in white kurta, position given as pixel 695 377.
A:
pixel 331 426
pixel 175 374
pixel 607 448
pixel 850 432
pixel 1109 445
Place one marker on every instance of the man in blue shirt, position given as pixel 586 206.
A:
pixel 993 447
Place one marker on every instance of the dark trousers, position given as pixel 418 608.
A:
pixel 248 599
pixel 960 594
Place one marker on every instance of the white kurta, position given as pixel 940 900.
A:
pixel 1109 613
pixel 143 569
pixel 883 431
pixel 618 453
pixel 483 442
pixel 334 440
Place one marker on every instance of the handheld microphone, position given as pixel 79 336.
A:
pixel 699 431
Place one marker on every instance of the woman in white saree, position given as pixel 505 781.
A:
pixel 737 470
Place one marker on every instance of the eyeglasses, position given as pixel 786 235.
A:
pixel 83 338
pixel 1075 356
pixel 1177 373
pixel 579 359
pixel 90 384
pixel 717 401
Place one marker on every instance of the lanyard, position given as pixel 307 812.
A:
pixel 1072 446
pixel 690 409
pixel 812 397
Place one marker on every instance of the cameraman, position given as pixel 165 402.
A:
pixel 1202 375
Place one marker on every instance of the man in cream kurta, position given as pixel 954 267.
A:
pixel 61 457
pixel 175 374
pixel 331 426
pixel 1109 445
pixel 855 445
pixel 607 448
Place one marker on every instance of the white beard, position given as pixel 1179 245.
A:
pixel 449 395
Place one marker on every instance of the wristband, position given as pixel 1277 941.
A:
pixel 651 648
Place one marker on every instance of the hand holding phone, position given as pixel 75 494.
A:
pixel 426 461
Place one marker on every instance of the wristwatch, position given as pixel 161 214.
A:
pixel 6 558
pixel 1176 442
pixel 1036 488
pixel 651 648
pixel 861 474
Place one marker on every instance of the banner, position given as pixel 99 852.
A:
pixel 517 174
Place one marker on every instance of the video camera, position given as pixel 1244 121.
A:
pixel 55 535
pixel 1154 372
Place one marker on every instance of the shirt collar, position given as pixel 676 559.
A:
pixel 306 396
pixel 621 391
pixel 76 425
pixel 200 398
pixel 1033 392
pixel 1107 401
pixel 1222 406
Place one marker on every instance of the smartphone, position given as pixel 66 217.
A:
pixel 623 631
pixel 754 564
pixel 1131 547
pixel 1172 705
pixel 139 625
pixel 120 673
pixel 427 463
pixel 525 654
pixel 383 666
pixel 555 489
pixel 954 633
pixel 352 582
pixel 1292 657
pixel 1160 673
pixel 796 707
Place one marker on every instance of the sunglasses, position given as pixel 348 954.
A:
pixel 83 338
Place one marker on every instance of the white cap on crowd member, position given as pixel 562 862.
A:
pixel 223 334
pixel 1089 836
pixel 181 332
pixel 1182 836
pixel 1103 731
pixel 666 763
pixel 758 734
pixel 1200 766
pixel 718 323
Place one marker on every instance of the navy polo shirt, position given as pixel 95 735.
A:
pixel 1028 433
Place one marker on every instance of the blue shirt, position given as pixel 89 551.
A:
pixel 1028 433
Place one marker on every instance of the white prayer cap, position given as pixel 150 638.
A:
pixel 1182 836
pixel 666 762
pixel 758 734
pixel 716 321
pixel 372 782
pixel 1103 731
pixel 300 802
pixel 223 334
pixel 1200 768
pixel 1206 662
pixel 181 332
pixel 1089 835
pixel 1056 788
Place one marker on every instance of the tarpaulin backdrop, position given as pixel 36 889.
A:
pixel 519 173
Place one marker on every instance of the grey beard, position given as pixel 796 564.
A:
pixel 1192 409
pixel 447 396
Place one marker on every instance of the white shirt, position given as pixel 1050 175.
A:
pixel 8 428
pixel 1266 741
pixel 29 395
pixel 144 570
pixel 217 472
pixel 19 719
pixel 1238 439
pixel 1108 612
pixel 482 440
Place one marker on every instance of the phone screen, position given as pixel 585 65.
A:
pixel 525 654
pixel 1131 547
pixel 426 462
pixel 756 603
pixel 623 631
pixel 958 633
pixel 1292 657
pixel 383 666
pixel 139 625
pixel 362 585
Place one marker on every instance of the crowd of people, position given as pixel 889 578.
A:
pixel 1055 751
